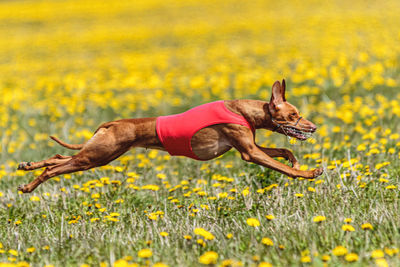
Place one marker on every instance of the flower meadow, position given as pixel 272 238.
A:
pixel 67 66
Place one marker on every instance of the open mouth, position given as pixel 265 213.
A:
pixel 299 134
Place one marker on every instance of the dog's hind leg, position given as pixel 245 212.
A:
pixel 29 166
pixel 71 165
pixel 98 151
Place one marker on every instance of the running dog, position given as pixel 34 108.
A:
pixel 202 133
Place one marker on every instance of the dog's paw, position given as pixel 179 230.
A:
pixel 24 165
pixel 23 188
pixel 318 172
pixel 296 166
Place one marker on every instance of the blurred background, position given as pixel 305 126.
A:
pixel 67 66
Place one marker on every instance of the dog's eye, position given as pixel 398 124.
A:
pixel 293 114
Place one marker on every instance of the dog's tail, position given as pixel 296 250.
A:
pixel 75 147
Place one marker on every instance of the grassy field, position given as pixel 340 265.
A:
pixel 68 66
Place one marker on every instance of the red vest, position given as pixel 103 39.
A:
pixel 176 131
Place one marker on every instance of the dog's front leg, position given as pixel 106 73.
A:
pixel 242 139
pixel 281 153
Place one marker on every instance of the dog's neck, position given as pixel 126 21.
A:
pixel 255 112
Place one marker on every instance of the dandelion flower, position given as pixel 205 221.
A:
pixel 391 187
pixel 319 219
pixel 164 234
pixel 209 257
pixel 339 251
pixel 381 262
pixel 377 253
pixel 35 198
pixel 264 264
pixel 270 217
pixel 326 258
pixel 201 242
pixel 266 241
pixel 348 228
pixel 13 252
pixel 204 233
pixel 305 259
pixel 351 257
pixel 367 226
pixel 121 263
pixel 391 251
pixel 145 253
pixel 253 222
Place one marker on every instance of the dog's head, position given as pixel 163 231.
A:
pixel 285 117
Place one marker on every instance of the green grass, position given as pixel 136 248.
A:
pixel 106 241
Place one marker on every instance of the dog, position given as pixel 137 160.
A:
pixel 202 133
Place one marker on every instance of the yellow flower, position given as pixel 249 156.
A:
pixel 145 253
pixel 245 192
pixel 13 252
pixel 123 263
pixel 348 228
pixel 339 251
pixel 319 218
pixel 164 234
pixel 305 259
pixel 160 264
pixel 381 262
pixel 351 257
pixel 35 198
pixel 253 222
pixel 270 217
pixel 229 235
pixel 299 195
pixel 187 237
pixel 348 220
pixel 326 258
pixel 30 250
pixel 204 233
pixel 266 241
pixel 223 195
pixel 377 254
pixel 367 226
pixel 391 251
pixel 209 257
pixel 264 264
pixel 153 216
pixel 201 242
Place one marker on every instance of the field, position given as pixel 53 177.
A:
pixel 67 66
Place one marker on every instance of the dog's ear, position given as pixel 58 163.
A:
pixel 276 97
pixel 284 90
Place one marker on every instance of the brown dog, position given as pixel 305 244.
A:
pixel 112 139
